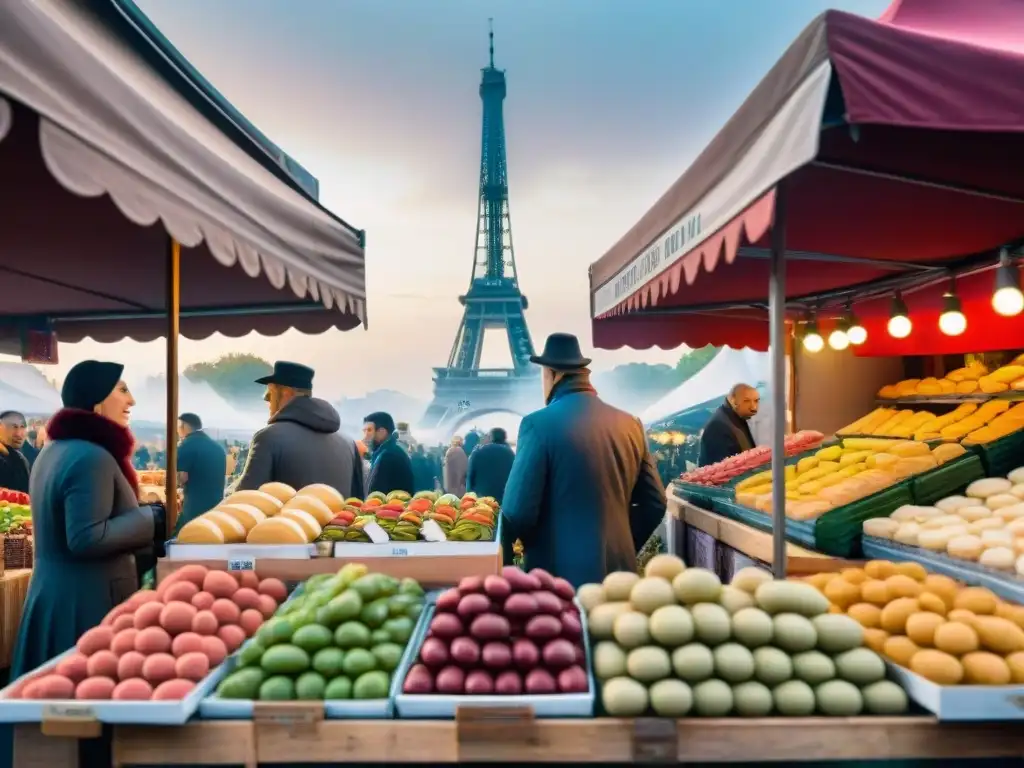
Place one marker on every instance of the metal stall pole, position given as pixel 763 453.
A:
pixel 173 324
pixel 777 346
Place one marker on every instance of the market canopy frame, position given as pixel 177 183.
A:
pixel 92 103
pixel 896 141
pixel 872 148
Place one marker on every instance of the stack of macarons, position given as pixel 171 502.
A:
pixel 274 514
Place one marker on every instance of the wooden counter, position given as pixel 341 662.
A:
pixel 600 740
pixel 751 542
pixel 13 590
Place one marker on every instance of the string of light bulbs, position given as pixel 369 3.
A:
pixel 1007 301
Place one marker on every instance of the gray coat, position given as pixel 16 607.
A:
pixel 302 446
pixel 88 523
pixel 455 468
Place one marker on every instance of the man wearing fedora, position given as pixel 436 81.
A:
pixel 584 493
pixel 301 444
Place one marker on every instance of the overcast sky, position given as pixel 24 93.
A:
pixel 608 101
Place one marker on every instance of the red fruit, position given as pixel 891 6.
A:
pixel 186 642
pixel 215 649
pixel 226 611
pixel 148 615
pixel 246 598
pixel 268 606
pixel 95 689
pixel 205 623
pixel 177 617
pixel 192 666
pixel 124 641
pixel 158 668
pixel 183 591
pixel 74 667
pixel 220 584
pixel 152 640
pixel 275 588
pixel 134 689
pixel 248 579
pixel 130 665
pixel 122 622
pixel 173 690
pixel 233 637
pixel 250 621
pixel 203 601
pixel 96 639
pixel 102 664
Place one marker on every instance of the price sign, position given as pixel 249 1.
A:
pixel 377 534
pixel 399 552
pixel 242 564
pixel 68 712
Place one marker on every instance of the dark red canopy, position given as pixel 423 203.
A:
pixel 901 143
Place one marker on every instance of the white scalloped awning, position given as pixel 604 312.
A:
pixel 105 125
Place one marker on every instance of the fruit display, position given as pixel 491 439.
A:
pixel 401 516
pixel 15 513
pixel 342 637
pixel 985 525
pixel 840 474
pixel 677 642
pixel 517 633
pixel 973 379
pixel 723 471
pixel 970 423
pixel 158 645
pixel 943 631
pixel 274 514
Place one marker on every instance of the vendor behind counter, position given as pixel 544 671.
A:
pixel 727 432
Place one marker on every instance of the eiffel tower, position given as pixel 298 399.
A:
pixel 463 390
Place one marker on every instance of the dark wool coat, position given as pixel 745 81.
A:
pixel 88 525
pixel 725 435
pixel 584 493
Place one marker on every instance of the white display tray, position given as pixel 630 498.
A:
pixel 213 708
pixel 961 702
pixel 436 706
pixel 356 549
pixel 255 552
pixel 112 712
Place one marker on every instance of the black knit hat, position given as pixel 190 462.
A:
pixel 88 384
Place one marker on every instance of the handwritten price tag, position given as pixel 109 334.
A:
pixel 242 564
pixel 68 712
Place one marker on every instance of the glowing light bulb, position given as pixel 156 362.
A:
pixel 900 326
pixel 952 321
pixel 813 342
pixel 1008 301
pixel 857 334
pixel 838 340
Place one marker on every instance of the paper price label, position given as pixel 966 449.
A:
pixel 377 534
pixel 432 531
pixel 68 712
pixel 399 552
pixel 242 564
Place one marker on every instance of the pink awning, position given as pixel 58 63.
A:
pixel 932 93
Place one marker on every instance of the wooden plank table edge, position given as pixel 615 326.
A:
pixel 568 740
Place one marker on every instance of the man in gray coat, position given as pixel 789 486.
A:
pixel 301 445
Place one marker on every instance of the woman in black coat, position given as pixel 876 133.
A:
pixel 88 523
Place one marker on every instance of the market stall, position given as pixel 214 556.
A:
pixel 838 182
pixel 175 214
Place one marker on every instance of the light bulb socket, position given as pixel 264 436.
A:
pixel 898 307
pixel 951 303
pixel 1007 275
